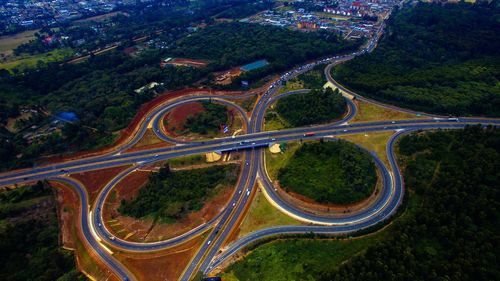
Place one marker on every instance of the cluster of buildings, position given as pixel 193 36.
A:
pixel 351 18
pixel 38 13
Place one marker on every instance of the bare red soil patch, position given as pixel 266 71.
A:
pixel 176 118
pixel 187 62
pixel 95 180
pixel 148 141
pixel 131 129
pixel 163 265
pixel 68 209
pixel 71 237
pixel 147 230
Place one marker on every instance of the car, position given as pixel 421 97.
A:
pixel 112 237
pixel 234 203
pixel 273 139
pixel 156 155
pixel 100 224
pixel 393 122
pixel 246 163
pixel 345 130
pixel 239 192
pixel 209 241
pixel 248 192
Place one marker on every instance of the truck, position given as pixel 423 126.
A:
pixel 310 134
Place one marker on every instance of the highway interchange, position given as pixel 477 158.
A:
pixel 252 144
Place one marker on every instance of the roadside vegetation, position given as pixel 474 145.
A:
pixel 336 172
pixel 29 237
pixel 169 196
pixel 444 232
pixel 434 58
pixel 233 44
pixel 99 91
pixel 317 106
pixel 209 120
pixel 21 63
pixel 313 79
pixel 262 214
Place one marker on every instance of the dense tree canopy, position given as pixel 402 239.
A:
pixel 232 44
pixel 29 237
pixel 317 106
pixel 171 195
pixel 448 228
pixel 435 58
pixel 330 172
pixel 209 120
pixel 454 234
pixel 99 91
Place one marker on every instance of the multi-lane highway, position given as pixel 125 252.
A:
pixel 215 248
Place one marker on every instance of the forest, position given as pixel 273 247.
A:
pixel 446 229
pixel 454 233
pixel 209 120
pixel 170 195
pixel 244 43
pixel 317 106
pixel 29 237
pixel 335 172
pixel 435 58
pixel 100 91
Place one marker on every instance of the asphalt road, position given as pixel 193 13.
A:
pixel 210 255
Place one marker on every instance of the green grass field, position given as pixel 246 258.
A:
pixel 9 42
pixel 306 259
pixel 31 61
pixel 263 215
pixel 274 162
pixel 296 259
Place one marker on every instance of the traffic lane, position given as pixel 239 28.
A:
pixel 238 212
pixel 249 136
pixel 238 199
pixel 106 235
pixel 229 144
pixel 157 120
pixel 393 107
pixel 381 201
pixel 120 271
pixel 338 229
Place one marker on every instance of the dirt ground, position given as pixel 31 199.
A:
pixel 71 238
pixel 188 62
pixel 95 180
pixel 126 133
pixel 163 265
pixel 176 118
pixel 147 230
pixel 148 141
pixel 68 204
